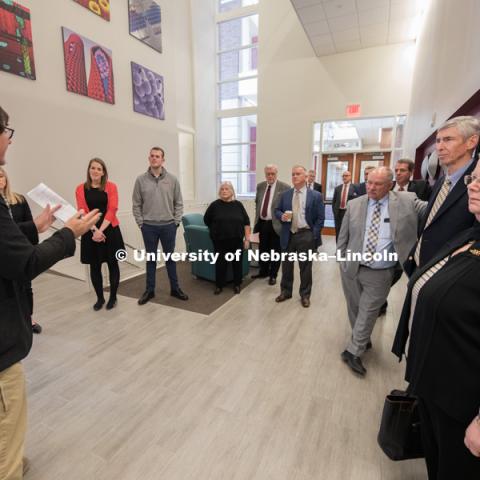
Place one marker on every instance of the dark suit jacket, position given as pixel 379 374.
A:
pixel 443 361
pixel 261 188
pixel 422 189
pixel 20 262
pixel 360 188
pixel 453 217
pixel 22 216
pixel 314 215
pixel 317 186
pixel 337 197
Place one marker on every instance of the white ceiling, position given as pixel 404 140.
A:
pixel 335 26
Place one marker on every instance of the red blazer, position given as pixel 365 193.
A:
pixel 112 202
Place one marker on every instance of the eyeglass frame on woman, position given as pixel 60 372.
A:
pixel 10 131
pixel 468 179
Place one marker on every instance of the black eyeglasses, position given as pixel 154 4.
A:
pixel 8 131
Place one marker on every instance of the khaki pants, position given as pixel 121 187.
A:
pixel 13 422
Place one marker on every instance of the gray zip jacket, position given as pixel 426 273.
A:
pixel 157 200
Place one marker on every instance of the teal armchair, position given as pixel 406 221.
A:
pixel 197 237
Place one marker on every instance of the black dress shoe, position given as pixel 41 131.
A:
pixel 146 296
pixel 383 309
pixel 236 289
pixel 259 275
pixel 282 297
pixel 272 281
pixel 111 303
pixel 99 304
pixel 36 328
pixel 354 362
pixel 218 291
pixel 305 301
pixel 179 294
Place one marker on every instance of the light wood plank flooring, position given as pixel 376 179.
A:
pixel 256 390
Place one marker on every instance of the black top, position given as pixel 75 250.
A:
pixel 20 262
pixel 99 252
pixel 22 216
pixel 226 220
pixel 443 362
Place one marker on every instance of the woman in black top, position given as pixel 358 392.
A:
pixel 21 213
pixel 105 239
pixel 229 227
pixel 441 319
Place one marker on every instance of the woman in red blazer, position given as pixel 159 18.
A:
pixel 105 239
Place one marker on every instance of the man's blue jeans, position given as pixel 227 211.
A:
pixel 166 234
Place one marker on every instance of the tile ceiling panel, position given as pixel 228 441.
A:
pixel 305 3
pixel 311 14
pixel 373 16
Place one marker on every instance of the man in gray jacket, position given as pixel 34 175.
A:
pixel 158 209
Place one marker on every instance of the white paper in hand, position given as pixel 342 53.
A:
pixel 43 195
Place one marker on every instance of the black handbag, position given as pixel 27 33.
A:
pixel 399 435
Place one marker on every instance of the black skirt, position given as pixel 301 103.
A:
pixel 99 252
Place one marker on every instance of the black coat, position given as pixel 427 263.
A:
pixel 20 261
pixel 421 188
pixel 337 197
pixel 22 215
pixel 443 358
pixel 452 218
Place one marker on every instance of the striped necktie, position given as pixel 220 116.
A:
pixel 295 211
pixel 442 195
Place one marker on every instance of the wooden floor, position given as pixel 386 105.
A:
pixel 256 390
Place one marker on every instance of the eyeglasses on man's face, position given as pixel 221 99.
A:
pixel 468 179
pixel 7 131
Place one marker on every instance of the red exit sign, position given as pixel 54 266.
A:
pixel 353 110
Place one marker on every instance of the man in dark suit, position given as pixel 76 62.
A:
pixel 21 261
pixel 447 213
pixel 302 214
pixel 361 188
pixel 266 223
pixel 311 183
pixel 341 195
pixel 403 173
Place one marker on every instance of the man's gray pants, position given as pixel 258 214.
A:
pixel 365 294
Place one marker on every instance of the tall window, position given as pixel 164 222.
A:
pixel 237 26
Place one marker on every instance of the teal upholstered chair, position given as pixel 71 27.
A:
pixel 197 237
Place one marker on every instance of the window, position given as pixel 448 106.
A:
pixel 237 85
pixel 238 153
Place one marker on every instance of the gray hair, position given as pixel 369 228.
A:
pixel 386 171
pixel 312 171
pixel 271 165
pixel 409 162
pixel 466 125
pixel 299 166
pixel 229 185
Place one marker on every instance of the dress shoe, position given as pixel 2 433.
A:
pixel 179 294
pixel 354 362
pixel 259 275
pixel 99 304
pixel 272 281
pixel 36 328
pixel 218 291
pixel 305 301
pixel 111 303
pixel 146 296
pixel 236 289
pixel 383 309
pixel 282 297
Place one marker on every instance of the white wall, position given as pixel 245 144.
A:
pixel 447 69
pixel 297 88
pixel 57 132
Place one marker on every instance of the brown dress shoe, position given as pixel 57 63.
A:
pixel 305 302
pixel 282 297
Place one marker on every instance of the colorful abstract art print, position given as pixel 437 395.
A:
pixel 145 22
pixel 148 92
pixel 16 46
pixel 86 59
pixel 99 7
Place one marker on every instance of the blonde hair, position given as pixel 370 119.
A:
pixel 12 197
pixel 230 186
